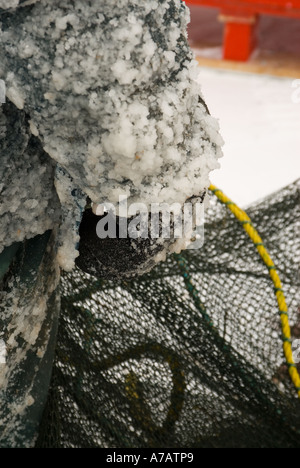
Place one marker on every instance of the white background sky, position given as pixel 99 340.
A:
pixel 261 127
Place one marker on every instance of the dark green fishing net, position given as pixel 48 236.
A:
pixel 189 355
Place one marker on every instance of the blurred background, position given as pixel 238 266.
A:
pixel 252 84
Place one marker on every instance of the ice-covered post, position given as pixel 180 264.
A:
pixel 102 101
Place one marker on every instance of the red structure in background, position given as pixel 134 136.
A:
pixel 241 17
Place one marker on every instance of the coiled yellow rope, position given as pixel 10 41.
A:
pixel 256 239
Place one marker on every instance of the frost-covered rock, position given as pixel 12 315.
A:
pixel 110 93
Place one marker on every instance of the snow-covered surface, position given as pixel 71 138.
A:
pixel 260 124
pixel 209 52
pixel 113 99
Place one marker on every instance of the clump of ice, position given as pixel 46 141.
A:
pixel 28 202
pixel 112 95
pixel 73 202
pixel 8 4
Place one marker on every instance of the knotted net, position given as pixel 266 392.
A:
pixel 188 355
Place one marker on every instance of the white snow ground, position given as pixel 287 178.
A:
pixel 260 123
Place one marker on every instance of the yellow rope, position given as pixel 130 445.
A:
pixel 256 239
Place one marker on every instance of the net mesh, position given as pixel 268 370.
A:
pixel 188 355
